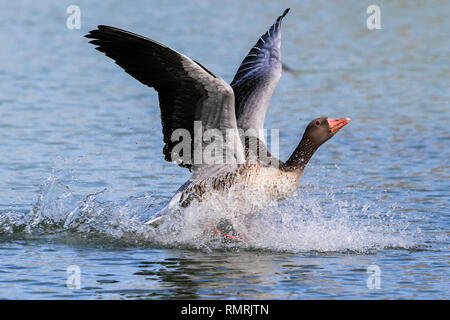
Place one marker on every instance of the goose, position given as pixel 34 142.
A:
pixel 193 100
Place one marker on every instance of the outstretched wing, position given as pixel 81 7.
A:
pixel 257 78
pixel 190 96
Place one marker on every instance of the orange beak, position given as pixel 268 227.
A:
pixel 337 124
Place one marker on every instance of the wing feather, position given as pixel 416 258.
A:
pixel 187 91
pixel 256 79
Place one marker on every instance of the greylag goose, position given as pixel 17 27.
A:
pixel 194 101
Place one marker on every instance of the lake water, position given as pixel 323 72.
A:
pixel 81 166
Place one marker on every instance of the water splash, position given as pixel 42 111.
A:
pixel 313 219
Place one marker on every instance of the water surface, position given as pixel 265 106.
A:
pixel 81 165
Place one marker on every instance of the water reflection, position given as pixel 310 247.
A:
pixel 240 275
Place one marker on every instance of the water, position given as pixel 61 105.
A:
pixel 81 165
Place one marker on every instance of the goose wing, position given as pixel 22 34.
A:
pixel 190 96
pixel 257 78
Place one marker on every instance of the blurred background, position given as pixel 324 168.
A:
pixel 67 111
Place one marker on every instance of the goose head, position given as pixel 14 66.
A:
pixel 322 129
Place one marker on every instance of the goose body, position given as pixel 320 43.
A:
pixel 192 99
pixel 265 181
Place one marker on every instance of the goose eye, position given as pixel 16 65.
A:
pixel 317 123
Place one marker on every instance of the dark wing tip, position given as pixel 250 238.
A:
pixel 89 35
pixel 92 33
pixel 277 23
pixel 284 14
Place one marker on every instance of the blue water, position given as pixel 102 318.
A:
pixel 81 165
